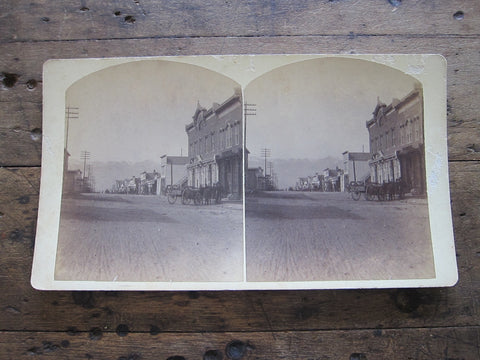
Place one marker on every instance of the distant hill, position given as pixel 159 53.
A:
pixel 105 173
pixel 289 170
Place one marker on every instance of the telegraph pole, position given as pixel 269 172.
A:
pixel 71 113
pixel 265 154
pixel 270 165
pixel 85 155
pixel 248 110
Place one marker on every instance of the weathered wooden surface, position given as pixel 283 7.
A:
pixel 355 324
pixel 21 115
pixel 373 344
pixel 26 20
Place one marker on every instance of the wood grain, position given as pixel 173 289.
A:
pixel 73 20
pixel 438 343
pixel 20 110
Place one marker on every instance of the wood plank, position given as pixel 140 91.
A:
pixel 19 117
pixel 22 308
pixel 20 133
pixel 41 20
pixel 436 343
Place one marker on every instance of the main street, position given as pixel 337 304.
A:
pixel 302 236
pixel 144 238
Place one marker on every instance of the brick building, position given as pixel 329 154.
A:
pixel 397 142
pixel 215 149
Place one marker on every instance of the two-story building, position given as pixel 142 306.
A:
pixel 397 142
pixel 215 150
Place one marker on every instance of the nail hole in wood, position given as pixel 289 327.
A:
pixel 9 80
pixel 129 19
pixel 117 13
pixel 395 3
pixel 122 330
pixel 213 355
pixel 45 19
pixel 459 15
pixel 31 84
pixel 36 134
pixel 154 330
pixel 235 349
pixel 95 334
pixel 84 9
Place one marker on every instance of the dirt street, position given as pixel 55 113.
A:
pixel 144 238
pixel 297 236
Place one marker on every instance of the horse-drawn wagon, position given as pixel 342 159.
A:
pixel 188 194
pixel 387 191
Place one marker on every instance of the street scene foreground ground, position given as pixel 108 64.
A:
pixel 305 236
pixel 106 237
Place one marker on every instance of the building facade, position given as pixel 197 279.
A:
pixel 356 167
pixel 149 183
pixel 397 143
pixel 173 171
pixel 255 179
pixel 331 179
pixel 215 150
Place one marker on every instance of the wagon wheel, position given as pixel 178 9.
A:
pixel 172 197
pixel 185 198
pixel 356 195
pixel 197 198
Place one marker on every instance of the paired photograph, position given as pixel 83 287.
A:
pixel 244 172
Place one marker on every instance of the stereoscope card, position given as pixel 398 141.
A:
pixel 244 172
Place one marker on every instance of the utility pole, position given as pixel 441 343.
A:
pixel 71 113
pixel 270 165
pixel 85 155
pixel 265 154
pixel 248 110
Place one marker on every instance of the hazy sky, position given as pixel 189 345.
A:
pixel 318 108
pixel 310 109
pixel 138 111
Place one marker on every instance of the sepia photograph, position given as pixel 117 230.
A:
pixel 244 172
pixel 152 183
pixel 336 182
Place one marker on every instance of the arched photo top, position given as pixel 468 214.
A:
pixel 319 107
pixel 138 110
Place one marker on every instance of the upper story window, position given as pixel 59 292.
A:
pixel 229 136
pixel 237 134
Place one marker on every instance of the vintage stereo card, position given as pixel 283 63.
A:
pixel 244 172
